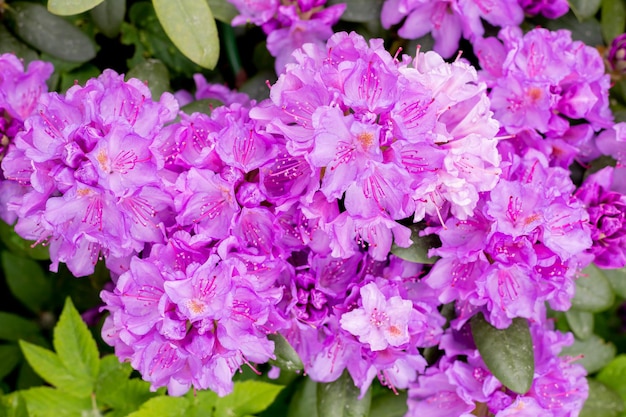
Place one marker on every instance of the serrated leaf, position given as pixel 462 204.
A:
pixel 340 398
pixel 114 388
pixel 613 375
pixel 154 73
pixel 286 356
pixel 584 9
pixel 108 16
pixel 223 10
pixel 48 365
pixel 162 406
pixel 191 27
pixel 602 401
pixel 508 353
pixel 613 19
pixel 580 322
pixel 14 328
pixel 304 400
pixel 248 397
pixel 201 403
pixel 593 291
pixel 50 402
pixel 14 404
pixel 26 281
pixel 594 353
pixel 360 10
pixel 70 7
pixel 11 357
pixel 617 279
pixel 52 34
pixel 11 239
pixel 418 251
pixel 75 345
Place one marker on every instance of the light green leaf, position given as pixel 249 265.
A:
pixel 154 73
pixel 304 400
pixel 594 353
pixel 613 375
pixel 26 281
pixel 613 19
pixel 286 356
pixel 11 357
pixel 580 322
pixel 14 405
pixel 48 365
pixel 75 345
pixel 360 10
pixel 115 389
pixel 248 397
pixel 617 279
pixel 70 7
pixel 108 16
pixel 163 406
pixel 52 34
pixel 201 403
pixel 223 10
pixel 593 291
pixel 602 401
pixel 50 402
pixel 584 9
pixel 418 251
pixel 508 353
pixel 14 328
pixel 191 27
pixel 340 398
pixel 12 240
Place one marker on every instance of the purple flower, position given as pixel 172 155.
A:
pixel 617 54
pixel 552 9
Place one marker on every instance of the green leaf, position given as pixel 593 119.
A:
pixel 201 403
pixel 14 404
pixel 191 27
pixel 70 7
pixel 418 251
pixel 595 353
pixel 50 402
pixel 11 357
pixel 14 328
pixel 52 34
pixel 205 106
pixel 48 365
pixel 154 73
pixel 304 400
pixel 223 10
pixel 588 31
pixel 10 44
pixel 340 398
pixel 360 10
pixel 78 76
pixel 584 9
pixel 286 356
pixel 508 353
pixel 593 291
pixel 617 279
pixel 580 322
pixel 13 241
pixel 389 405
pixel 248 397
pixel 162 406
pixel 26 281
pixel 613 375
pixel 613 19
pixel 75 345
pixel 602 401
pixel 108 16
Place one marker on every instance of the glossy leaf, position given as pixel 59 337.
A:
pixel 205 106
pixel 360 10
pixel 26 281
pixel 584 9
pixel 617 279
pixel 10 44
pixel 389 405
pixel 593 291
pixel 613 19
pixel 602 401
pixel 108 16
pixel 52 34
pixel 18 245
pixel 304 400
pixel 248 397
pixel 340 398
pixel 508 353
pixel 154 73
pixel 593 353
pixel 613 375
pixel 191 27
pixel 223 10
pixel 286 356
pixel 588 31
pixel 418 251
pixel 70 7
pixel 580 322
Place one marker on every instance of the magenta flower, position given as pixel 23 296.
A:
pixel 617 54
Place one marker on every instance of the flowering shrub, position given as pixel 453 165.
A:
pixel 423 233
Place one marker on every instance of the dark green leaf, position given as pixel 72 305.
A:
pixel 10 44
pixel 163 406
pixel 48 365
pixel 304 400
pixel 594 353
pixel 248 397
pixel 50 402
pixel 588 31
pixel 14 328
pixel 78 76
pixel 613 375
pixel 155 74
pixel 602 401
pixel 11 357
pixel 613 19
pixel 18 245
pixel 205 106
pixel 26 281
pixel 223 10
pixel 256 87
pixel 584 9
pixel 75 345
pixel 341 399
pixel 418 251
pixel 617 279
pixel 70 7
pixel 191 27
pixel 360 10
pixel 286 356
pixel 389 405
pixel 508 353
pixel 593 291
pixel 580 322
pixel 108 16
pixel 27 377
pixel 36 26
